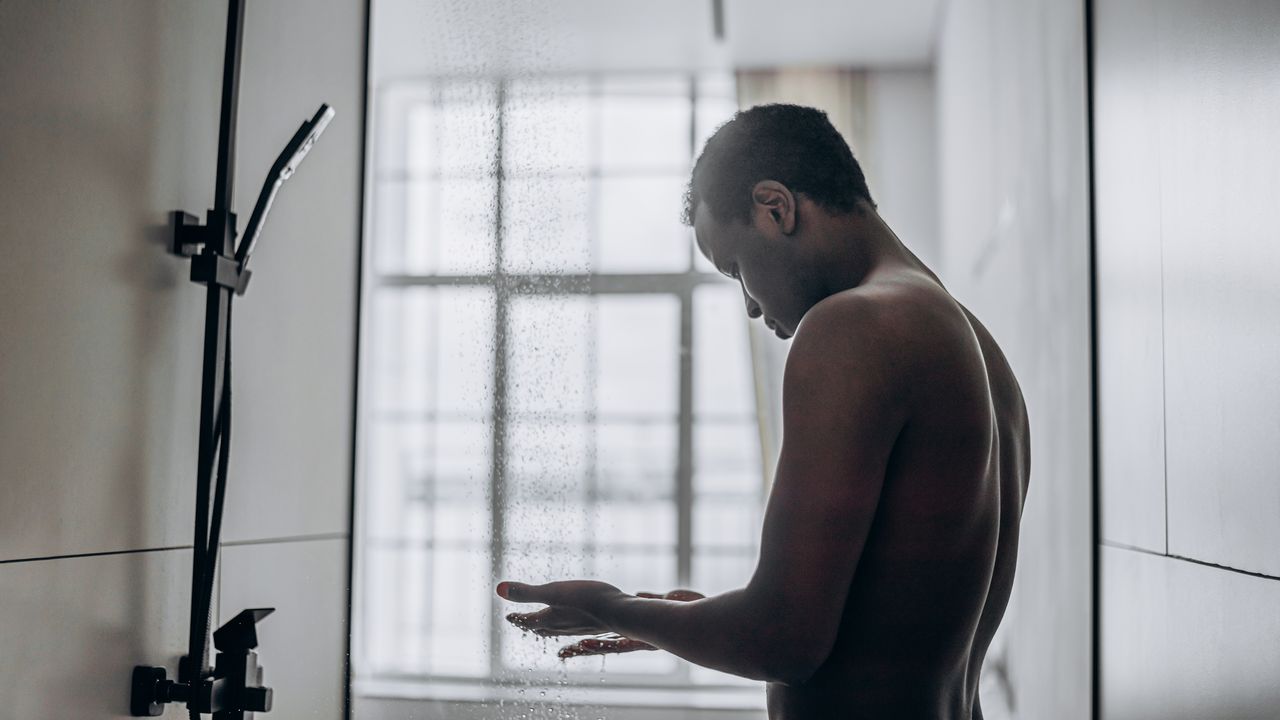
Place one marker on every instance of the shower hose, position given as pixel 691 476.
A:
pixel 205 559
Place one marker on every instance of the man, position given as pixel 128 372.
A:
pixel 891 532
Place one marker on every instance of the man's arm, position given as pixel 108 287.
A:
pixel 842 411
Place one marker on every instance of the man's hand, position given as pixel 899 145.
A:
pixel 572 611
pixel 572 606
pixel 614 644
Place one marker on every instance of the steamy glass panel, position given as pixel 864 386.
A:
pixel 547 373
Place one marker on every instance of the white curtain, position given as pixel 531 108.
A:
pixel 842 94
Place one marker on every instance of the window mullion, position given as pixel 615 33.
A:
pixel 684 452
pixel 497 456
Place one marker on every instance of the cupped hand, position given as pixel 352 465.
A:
pixel 572 606
pixel 614 644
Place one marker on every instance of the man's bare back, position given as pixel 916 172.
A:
pixel 935 573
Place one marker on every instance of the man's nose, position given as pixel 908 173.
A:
pixel 753 307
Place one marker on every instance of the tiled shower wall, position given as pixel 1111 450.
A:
pixel 1187 112
pixel 109 120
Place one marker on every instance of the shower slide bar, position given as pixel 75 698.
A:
pixel 231 689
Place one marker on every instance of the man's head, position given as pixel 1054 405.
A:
pixel 766 181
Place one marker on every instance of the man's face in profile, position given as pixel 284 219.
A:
pixel 763 266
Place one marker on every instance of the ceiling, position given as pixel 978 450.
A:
pixel 434 37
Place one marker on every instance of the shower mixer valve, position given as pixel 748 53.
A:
pixel 234 691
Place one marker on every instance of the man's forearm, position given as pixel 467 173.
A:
pixel 727 632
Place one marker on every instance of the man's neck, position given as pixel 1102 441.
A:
pixel 860 245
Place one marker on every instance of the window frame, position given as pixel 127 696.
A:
pixel 506 286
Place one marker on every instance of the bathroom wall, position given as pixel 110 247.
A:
pixel 1186 107
pixel 109 121
pixel 900 160
pixel 1013 187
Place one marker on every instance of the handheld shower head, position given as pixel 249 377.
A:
pixel 313 128
pixel 285 165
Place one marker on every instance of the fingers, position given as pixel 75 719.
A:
pixel 520 592
pixel 556 621
pixel 603 646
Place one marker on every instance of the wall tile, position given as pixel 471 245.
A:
pixel 1219 108
pixel 109 122
pixel 1129 286
pixel 303 645
pixel 72 630
pixel 295 328
pixel 1182 641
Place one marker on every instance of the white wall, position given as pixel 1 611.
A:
pixel 1187 103
pixel 109 121
pixel 1014 225
pixel 901 158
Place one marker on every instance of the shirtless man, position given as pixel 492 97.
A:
pixel 891 532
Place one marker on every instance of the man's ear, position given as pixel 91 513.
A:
pixel 773 207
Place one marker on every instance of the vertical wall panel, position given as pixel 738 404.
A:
pixel 1129 284
pixel 1219 92
pixel 901 160
pixel 109 120
pixel 303 644
pixel 295 328
pixel 1182 641
pixel 1015 246
pixel 1188 102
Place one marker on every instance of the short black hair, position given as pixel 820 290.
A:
pixel 791 144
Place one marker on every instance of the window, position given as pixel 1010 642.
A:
pixel 556 384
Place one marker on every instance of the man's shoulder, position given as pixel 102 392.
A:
pixel 896 320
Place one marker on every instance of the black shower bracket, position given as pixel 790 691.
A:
pixel 188 238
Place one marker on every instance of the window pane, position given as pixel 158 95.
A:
pixel 468 127
pixel 636 460
pixel 414 466
pixel 638 228
pixel 543 451
pixel 637 353
pixel 644 124
pixel 396 628
pixel 717 571
pixel 548 354
pixel 726 450
pixel 557 521
pixel 547 126
pixel 726 521
pixel 412 367
pixel 544 225
pixel 717 102
pixel 464 242
pixel 634 523
pixel 459 612
pixel 404 222
pixel 722 382
pixel 422 139
pixel 403 121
